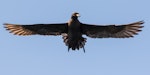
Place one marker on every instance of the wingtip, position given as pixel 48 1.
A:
pixel 9 24
pixel 5 23
pixel 139 23
pixel 142 22
pixel 142 26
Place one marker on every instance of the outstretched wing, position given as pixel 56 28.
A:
pixel 41 29
pixel 112 31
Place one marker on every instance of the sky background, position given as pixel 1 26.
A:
pixel 48 55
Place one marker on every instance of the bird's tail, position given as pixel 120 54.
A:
pixel 74 44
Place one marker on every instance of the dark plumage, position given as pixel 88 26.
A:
pixel 73 30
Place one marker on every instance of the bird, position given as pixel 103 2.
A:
pixel 72 31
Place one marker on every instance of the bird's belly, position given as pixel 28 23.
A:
pixel 74 34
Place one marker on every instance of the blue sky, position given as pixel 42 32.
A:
pixel 47 55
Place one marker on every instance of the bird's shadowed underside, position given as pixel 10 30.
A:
pixel 74 44
pixel 73 30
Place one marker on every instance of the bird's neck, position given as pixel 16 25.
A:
pixel 74 18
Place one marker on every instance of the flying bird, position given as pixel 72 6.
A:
pixel 73 30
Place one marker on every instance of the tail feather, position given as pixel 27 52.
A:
pixel 75 44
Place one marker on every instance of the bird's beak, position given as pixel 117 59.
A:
pixel 78 15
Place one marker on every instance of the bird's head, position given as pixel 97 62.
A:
pixel 75 15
